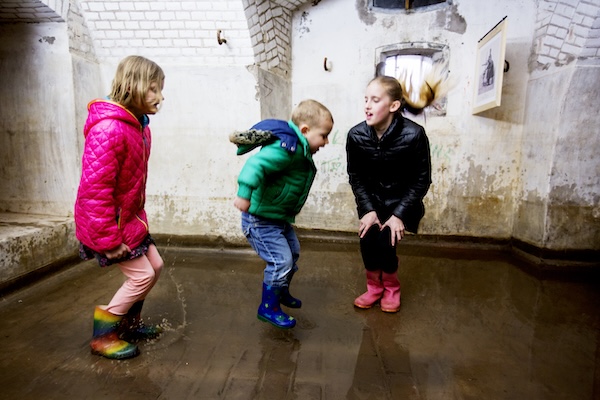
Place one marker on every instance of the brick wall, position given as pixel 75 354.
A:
pixel 567 31
pixel 257 31
pixel 29 11
pixel 80 39
pixel 181 31
pixel 270 33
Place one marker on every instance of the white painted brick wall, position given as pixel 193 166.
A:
pixel 80 40
pixel 30 11
pixel 257 31
pixel 180 31
pixel 565 31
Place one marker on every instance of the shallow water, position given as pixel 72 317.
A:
pixel 471 326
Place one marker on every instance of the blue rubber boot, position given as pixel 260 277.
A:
pixel 288 300
pixel 270 311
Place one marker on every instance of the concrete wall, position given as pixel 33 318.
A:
pixel 559 196
pixel 497 174
pixel 38 136
pixel 475 157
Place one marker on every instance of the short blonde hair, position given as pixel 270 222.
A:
pixel 310 112
pixel 132 81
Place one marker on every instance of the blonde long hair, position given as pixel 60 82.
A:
pixel 415 99
pixel 132 81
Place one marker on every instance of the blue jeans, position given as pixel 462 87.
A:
pixel 277 244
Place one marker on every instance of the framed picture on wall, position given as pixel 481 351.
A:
pixel 489 68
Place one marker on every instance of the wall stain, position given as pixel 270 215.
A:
pixel 362 9
pixel 304 24
pixel 449 19
pixel 47 39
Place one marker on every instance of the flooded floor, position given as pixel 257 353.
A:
pixel 472 326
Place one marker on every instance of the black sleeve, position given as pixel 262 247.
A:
pixel 356 177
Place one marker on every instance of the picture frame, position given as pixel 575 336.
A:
pixel 489 68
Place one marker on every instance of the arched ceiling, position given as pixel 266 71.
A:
pixel 27 11
pixel 32 11
pixel 293 5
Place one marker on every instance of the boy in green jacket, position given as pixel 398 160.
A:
pixel 273 186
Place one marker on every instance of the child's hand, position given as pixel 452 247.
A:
pixel 396 227
pixel 241 204
pixel 118 252
pixel 366 222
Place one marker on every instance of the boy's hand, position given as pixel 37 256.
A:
pixel 118 252
pixel 241 204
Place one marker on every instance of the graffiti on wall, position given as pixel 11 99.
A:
pixel 441 152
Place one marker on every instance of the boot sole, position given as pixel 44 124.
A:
pixel 363 307
pixel 263 319
pixel 292 305
pixel 124 357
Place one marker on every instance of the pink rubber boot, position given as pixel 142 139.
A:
pixel 374 290
pixel 390 302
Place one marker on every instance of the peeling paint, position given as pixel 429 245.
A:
pixel 362 8
pixel 449 19
pixel 47 39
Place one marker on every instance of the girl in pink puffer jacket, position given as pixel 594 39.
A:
pixel 110 220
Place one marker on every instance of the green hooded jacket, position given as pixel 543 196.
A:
pixel 278 178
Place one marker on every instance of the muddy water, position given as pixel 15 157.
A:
pixel 471 326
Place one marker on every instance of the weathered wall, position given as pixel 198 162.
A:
pixel 475 158
pixel 559 195
pixel 38 145
pixel 560 206
pixel 525 169
pixel 193 166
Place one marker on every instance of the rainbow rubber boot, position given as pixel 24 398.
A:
pixel 106 340
pixel 132 329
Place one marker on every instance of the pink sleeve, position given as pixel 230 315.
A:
pixel 96 207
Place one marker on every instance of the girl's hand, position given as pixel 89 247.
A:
pixel 118 252
pixel 396 227
pixel 241 204
pixel 366 222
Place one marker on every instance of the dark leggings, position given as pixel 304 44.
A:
pixel 377 251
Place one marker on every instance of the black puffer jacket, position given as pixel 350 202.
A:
pixel 390 175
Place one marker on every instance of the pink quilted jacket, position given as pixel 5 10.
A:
pixel 109 209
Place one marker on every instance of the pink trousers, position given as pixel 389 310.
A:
pixel 142 273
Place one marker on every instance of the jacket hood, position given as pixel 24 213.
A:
pixel 265 132
pixel 101 109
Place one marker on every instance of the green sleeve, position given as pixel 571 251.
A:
pixel 271 159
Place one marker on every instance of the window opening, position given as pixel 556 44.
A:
pixel 414 67
pixel 413 61
pixel 405 4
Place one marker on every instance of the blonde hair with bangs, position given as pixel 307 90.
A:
pixel 132 81
pixel 311 113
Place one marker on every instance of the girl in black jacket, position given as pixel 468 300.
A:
pixel 389 167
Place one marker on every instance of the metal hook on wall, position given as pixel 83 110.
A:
pixel 220 39
pixel 326 64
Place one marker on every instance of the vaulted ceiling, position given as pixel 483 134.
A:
pixel 31 11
